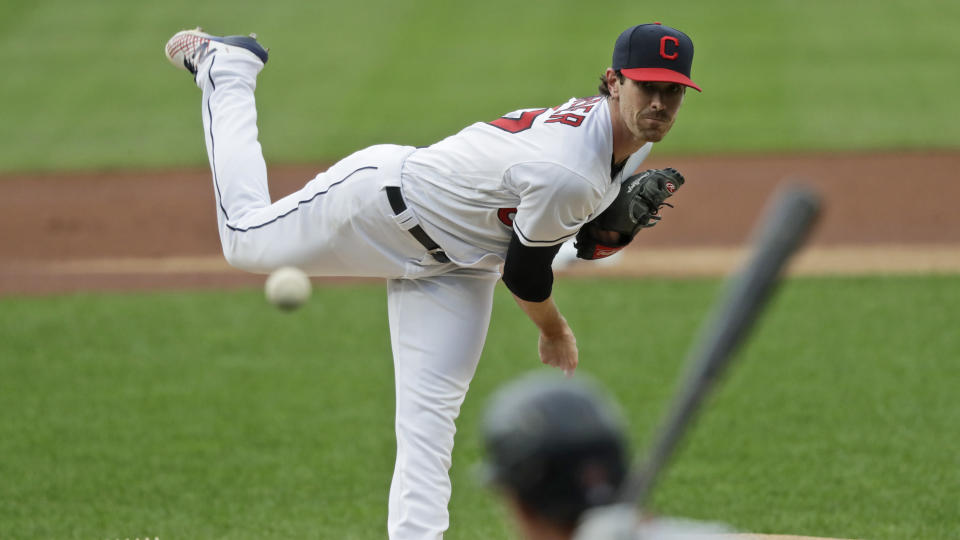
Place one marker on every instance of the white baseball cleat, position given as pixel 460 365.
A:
pixel 187 48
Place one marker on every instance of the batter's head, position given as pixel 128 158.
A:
pixel 556 444
pixel 656 53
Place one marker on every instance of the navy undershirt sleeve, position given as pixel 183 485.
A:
pixel 527 271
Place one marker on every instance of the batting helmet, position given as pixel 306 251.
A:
pixel 556 444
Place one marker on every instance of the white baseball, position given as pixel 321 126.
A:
pixel 287 288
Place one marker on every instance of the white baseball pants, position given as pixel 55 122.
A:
pixel 341 224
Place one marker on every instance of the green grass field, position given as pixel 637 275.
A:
pixel 207 415
pixel 85 84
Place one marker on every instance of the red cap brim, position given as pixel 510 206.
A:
pixel 659 75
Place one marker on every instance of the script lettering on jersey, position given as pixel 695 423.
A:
pixel 569 115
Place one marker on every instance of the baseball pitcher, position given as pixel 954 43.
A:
pixel 438 223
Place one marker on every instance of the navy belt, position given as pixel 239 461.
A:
pixel 396 202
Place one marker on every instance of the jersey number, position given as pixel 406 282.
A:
pixel 516 125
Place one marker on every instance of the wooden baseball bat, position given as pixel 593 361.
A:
pixel 782 230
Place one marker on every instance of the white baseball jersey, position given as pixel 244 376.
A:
pixel 540 172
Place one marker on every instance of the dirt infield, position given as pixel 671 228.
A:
pixel 157 230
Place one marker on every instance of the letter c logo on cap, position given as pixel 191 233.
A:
pixel 663 47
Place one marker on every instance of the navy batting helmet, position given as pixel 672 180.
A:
pixel 557 444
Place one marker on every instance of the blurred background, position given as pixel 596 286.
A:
pixel 85 86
